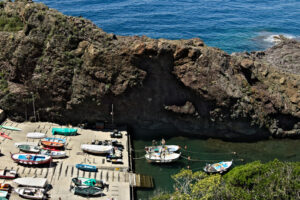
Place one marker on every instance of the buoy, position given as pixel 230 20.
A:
pixel 185 147
pixel 189 157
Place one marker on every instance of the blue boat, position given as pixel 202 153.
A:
pixel 89 168
pixel 59 140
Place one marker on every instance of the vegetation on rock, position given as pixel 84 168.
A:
pixel 272 180
pixel 10 22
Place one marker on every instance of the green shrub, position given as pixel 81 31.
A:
pixel 10 23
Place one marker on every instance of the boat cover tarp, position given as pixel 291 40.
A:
pixel 32 182
pixel 64 131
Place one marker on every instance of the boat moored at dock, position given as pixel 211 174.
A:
pixel 170 148
pixel 162 157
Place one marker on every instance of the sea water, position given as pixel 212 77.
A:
pixel 232 25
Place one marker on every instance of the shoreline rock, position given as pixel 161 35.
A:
pixel 73 72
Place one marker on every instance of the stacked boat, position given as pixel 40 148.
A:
pixel 31 188
pixel 162 153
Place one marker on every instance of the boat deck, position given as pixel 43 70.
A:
pixel 60 172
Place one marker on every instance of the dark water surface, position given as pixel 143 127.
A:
pixel 232 25
pixel 208 151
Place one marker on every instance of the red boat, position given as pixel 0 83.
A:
pixel 51 149
pixel 31 159
pixel 5 136
pixel 6 173
pixel 52 144
pixel 5 186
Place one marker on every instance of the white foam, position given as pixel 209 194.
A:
pixel 274 38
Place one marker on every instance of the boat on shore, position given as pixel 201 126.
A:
pixel 89 182
pixel 32 182
pixel 87 191
pixel 53 154
pixel 89 168
pixel 36 135
pixel 8 174
pixel 64 131
pixel 219 167
pixel 97 149
pixel 52 139
pixel 170 148
pixel 3 194
pixel 11 128
pixel 29 148
pixel 162 157
pixel 5 186
pixel 31 159
pixel 31 192
pixel 52 144
pixel 5 136
pixel 26 143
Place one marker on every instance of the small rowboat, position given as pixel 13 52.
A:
pixel 64 131
pixel 31 159
pixel 5 136
pixel 219 167
pixel 169 148
pixel 52 144
pixel 163 157
pixel 59 140
pixel 26 143
pixel 36 135
pixel 5 186
pixel 88 182
pixel 3 194
pixel 89 168
pixel 8 174
pixel 87 191
pixel 29 148
pixel 97 149
pixel 31 192
pixel 54 154
pixel 11 128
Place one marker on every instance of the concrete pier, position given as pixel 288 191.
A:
pixel 61 171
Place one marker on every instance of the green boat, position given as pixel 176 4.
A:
pixel 10 128
pixel 87 191
pixel 64 131
pixel 88 182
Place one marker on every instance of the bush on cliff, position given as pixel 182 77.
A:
pixel 273 180
pixel 10 23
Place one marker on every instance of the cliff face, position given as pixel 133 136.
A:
pixel 74 72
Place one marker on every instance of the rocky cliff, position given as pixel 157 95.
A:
pixel 72 71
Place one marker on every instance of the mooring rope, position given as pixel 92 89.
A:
pixel 234 153
pixel 139 158
pixel 196 160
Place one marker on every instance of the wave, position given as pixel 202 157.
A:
pixel 275 38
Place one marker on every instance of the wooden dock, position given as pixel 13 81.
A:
pixel 143 181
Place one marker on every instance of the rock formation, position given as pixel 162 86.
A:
pixel 72 71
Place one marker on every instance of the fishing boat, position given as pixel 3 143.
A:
pixel 170 148
pixel 31 192
pixel 89 168
pixel 4 187
pixel 87 191
pixel 51 139
pixel 29 148
pixel 97 149
pixel 64 131
pixel 53 154
pixel 219 167
pixel 8 174
pixel 162 157
pixel 88 182
pixel 31 159
pixel 36 135
pixel 11 128
pixel 3 194
pixel 26 143
pixel 5 136
pixel 52 144
pixel 32 182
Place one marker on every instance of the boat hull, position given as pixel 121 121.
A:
pixel 8 174
pixel 89 168
pixel 59 140
pixel 31 159
pixel 39 192
pixel 96 149
pixel 36 135
pixel 52 144
pixel 220 167
pixel 64 131
pixel 29 148
pixel 170 148
pixel 168 158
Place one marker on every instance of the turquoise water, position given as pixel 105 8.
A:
pixel 232 25
pixel 210 151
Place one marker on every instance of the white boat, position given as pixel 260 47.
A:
pixel 170 148
pixel 219 167
pixel 26 143
pixel 36 135
pixel 162 157
pixel 53 154
pixel 97 149
pixel 31 192
pixel 3 194
pixel 32 182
